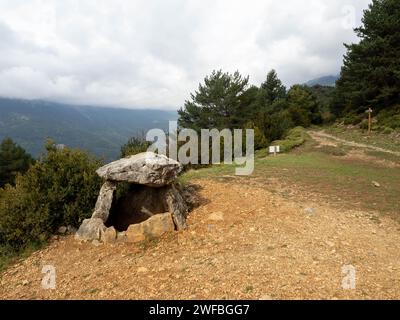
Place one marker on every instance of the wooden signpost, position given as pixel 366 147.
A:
pixel 369 111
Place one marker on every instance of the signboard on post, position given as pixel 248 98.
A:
pixel 274 150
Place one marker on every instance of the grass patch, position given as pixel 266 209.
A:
pixel 338 181
pixel 333 151
pixel 384 156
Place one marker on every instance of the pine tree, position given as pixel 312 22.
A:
pixel 273 88
pixel 303 106
pixel 216 104
pixel 13 160
pixel 370 76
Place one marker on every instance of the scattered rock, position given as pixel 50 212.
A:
pixel 146 168
pixel 109 236
pixel 216 216
pixel 309 211
pixel 121 237
pixel 153 227
pixel 330 244
pixel 96 243
pixel 62 230
pixel 142 270
pixel 71 230
pixel 376 184
pixel 90 229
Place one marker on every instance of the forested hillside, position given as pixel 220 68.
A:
pixel 100 131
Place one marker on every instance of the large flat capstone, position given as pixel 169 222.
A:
pixel 146 168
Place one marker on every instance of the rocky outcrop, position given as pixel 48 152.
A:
pixel 146 168
pixel 152 207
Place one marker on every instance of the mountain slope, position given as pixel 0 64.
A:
pixel 98 130
pixel 323 81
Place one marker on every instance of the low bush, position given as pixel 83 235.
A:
pixel 352 119
pixel 364 124
pixel 13 160
pixel 60 189
pixel 134 146
pixel 294 138
pixel 387 130
pixel 390 118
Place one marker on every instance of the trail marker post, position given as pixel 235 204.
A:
pixel 369 111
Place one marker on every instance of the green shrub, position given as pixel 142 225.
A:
pixel 259 139
pixel 60 189
pixel 294 138
pixel 387 130
pixel 262 153
pixel 364 124
pixel 134 146
pixel 13 160
pixel 328 117
pixel 390 118
pixel 351 119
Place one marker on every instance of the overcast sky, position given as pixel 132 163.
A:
pixel 152 54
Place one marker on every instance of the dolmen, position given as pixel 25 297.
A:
pixel 149 205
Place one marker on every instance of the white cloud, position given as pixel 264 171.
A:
pixel 141 53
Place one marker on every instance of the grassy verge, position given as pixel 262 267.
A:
pixel 384 156
pixel 386 141
pixel 333 179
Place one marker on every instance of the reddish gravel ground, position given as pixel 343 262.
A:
pixel 243 242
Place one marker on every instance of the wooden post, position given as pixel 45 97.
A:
pixel 369 111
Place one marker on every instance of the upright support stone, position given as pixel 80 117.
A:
pixel 177 206
pixel 104 201
pixel 90 229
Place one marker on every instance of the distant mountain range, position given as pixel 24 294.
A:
pixel 101 131
pixel 329 81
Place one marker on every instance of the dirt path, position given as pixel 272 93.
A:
pixel 329 140
pixel 245 242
